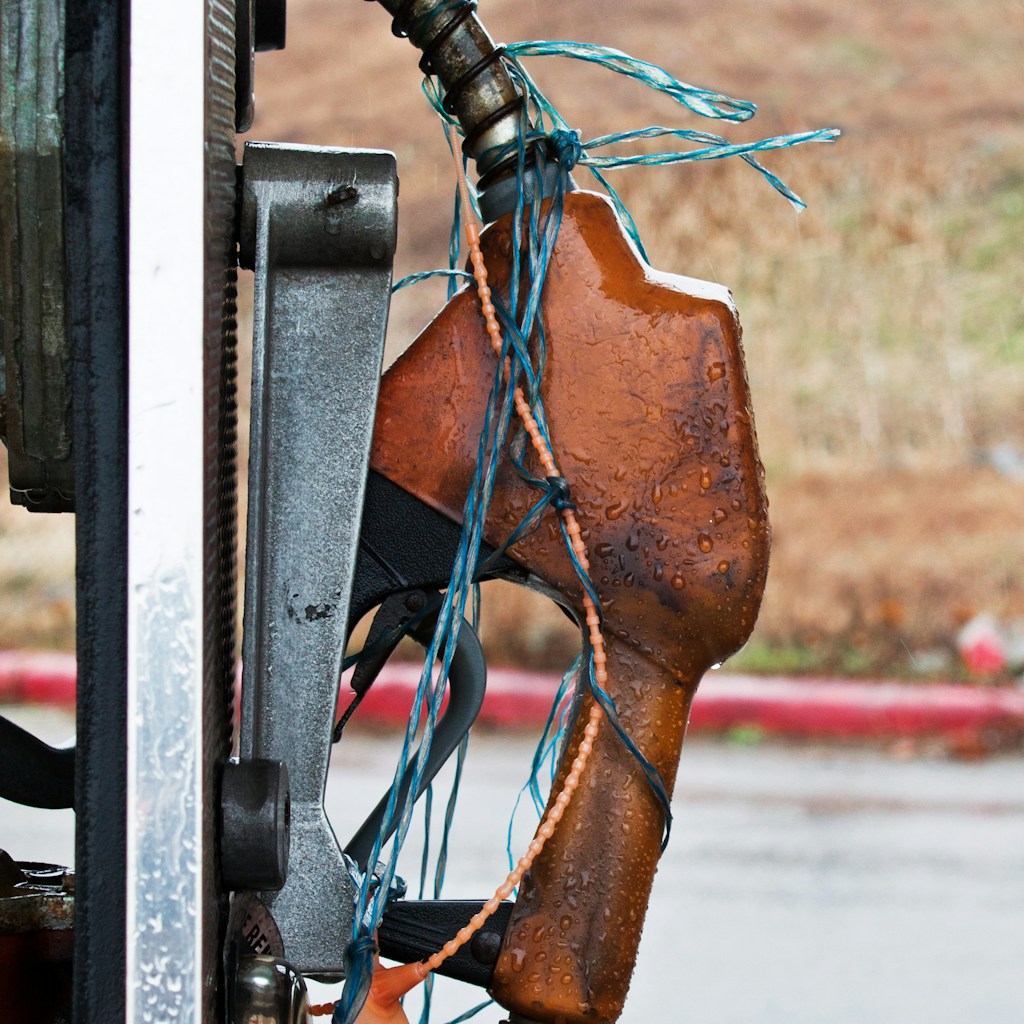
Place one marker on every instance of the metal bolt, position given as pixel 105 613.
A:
pixel 341 195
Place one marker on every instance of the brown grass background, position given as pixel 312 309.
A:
pixel 884 327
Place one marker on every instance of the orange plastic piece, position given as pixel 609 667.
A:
pixel 383 1004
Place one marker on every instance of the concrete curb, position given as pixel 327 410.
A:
pixel 813 709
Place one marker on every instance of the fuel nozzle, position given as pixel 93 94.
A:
pixel 646 402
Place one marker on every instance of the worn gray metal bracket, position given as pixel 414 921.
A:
pixel 318 227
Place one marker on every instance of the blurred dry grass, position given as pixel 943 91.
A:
pixel 37 590
pixel 884 326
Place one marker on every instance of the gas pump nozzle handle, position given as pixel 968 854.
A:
pixel 647 404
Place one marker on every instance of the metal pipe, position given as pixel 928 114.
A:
pixel 478 89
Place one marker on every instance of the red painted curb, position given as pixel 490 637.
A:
pixel 37 677
pixel 843 709
pixel 782 707
pixel 513 699
pixel 777 706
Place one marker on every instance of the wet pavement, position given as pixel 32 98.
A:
pixel 801 885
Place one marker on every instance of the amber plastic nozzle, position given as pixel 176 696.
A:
pixel 391 983
pixel 383 1003
pixel 648 409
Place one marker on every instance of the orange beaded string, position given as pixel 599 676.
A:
pixel 593 620
pixel 390 983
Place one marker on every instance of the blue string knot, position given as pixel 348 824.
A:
pixel 559 488
pixel 358 957
pixel 358 948
pixel 566 146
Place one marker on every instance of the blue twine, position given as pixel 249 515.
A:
pixel 371 903
pixel 472 1012
pixel 428 807
pixel 441 865
pixel 704 102
pixel 534 233
pixel 425 275
pixel 548 122
pixel 653 776
pixel 358 956
pixel 717 148
pixel 566 145
pixel 546 750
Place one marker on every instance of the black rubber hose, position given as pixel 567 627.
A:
pixel 467 680
pixel 32 772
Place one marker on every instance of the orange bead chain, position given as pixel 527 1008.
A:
pixel 391 983
pixel 593 620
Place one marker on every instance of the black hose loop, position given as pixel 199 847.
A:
pixel 460 84
pixel 443 34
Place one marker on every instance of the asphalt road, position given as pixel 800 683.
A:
pixel 801 886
